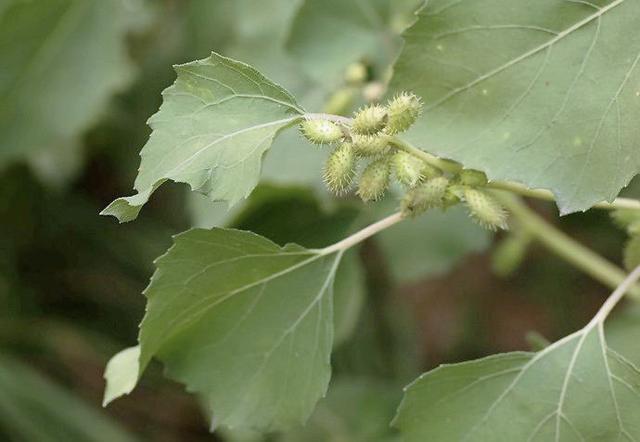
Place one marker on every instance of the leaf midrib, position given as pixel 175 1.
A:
pixel 186 317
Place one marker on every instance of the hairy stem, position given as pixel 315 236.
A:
pixel 447 166
pixel 329 117
pixel 363 234
pixel 563 245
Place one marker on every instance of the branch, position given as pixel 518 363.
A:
pixel 565 246
pixel 363 234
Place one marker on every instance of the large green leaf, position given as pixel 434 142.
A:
pixel 575 389
pixel 623 333
pixel 61 61
pixel 545 95
pixel 291 214
pixel 243 322
pixel 33 408
pixel 215 124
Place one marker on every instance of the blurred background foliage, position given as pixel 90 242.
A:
pixel 78 80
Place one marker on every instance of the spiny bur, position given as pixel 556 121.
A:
pixel 407 168
pixel 428 171
pixel 403 110
pixel 369 145
pixel 425 196
pixel 321 131
pixel 374 180
pixel 632 253
pixel 452 196
pixel 484 209
pixel 472 177
pixel 339 169
pixel 369 120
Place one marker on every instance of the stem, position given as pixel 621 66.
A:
pixel 625 287
pixel 565 246
pixel 447 166
pixel 363 234
pixel 329 117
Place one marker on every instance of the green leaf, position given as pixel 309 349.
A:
pixel 623 333
pixel 243 322
pixel 33 408
pixel 292 214
pixel 356 409
pixel 575 389
pixel 62 61
pixel 212 130
pixel 547 96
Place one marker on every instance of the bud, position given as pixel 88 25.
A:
pixel 369 120
pixel 632 253
pixel 425 196
pixel 356 73
pixel 471 177
pixel 407 168
pixel 369 145
pixel 403 111
pixel 374 180
pixel 485 210
pixel 321 131
pixel 340 101
pixel 339 168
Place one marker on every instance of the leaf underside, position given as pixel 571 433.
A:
pixel 245 323
pixel 574 390
pixel 548 96
pixel 215 124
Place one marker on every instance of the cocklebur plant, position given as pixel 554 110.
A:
pixel 248 324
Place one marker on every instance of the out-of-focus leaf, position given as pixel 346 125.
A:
pixel 431 243
pixel 215 124
pixel 62 61
pixel 355 410
pixel 328 35
pixel 32 408
pixel 544 95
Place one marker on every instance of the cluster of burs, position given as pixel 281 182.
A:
pixel 369 137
